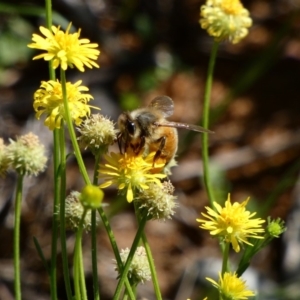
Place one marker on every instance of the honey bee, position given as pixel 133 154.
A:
pixel 146 129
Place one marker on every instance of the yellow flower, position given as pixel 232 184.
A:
pixel 49 100
pixel 66 49
pixel 130 172
pixel 225 19
pixel 231 287
pixel 233 223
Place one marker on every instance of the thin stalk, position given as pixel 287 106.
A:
pixel 48 8
pixel 94 256
pixel 80 161
pixel 76 276
pixel 152 267
pixel 130 257
pixel 150 258
pixel 17 271
pixel 54 231
pixel 115 250
pixel 79 279
pixel 71 129
pixel 205 123
pixel 78 271
pixel 225 258
pixel 81 272
pixel 125 296
pixel 62 209
pixel 94 236
pixel 56 162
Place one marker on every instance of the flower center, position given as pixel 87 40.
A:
pixel 232 7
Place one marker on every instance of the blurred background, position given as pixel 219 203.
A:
pixel 151 48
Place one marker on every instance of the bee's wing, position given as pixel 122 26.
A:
pixel 184 126
pixel 164 104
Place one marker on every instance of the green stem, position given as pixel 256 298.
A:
pixel 130 257
pixel 125 296
pixel 225 258
pixel 62 209
pixel 94 256
pixel 79 280
pixel 82 166
pixel 94 236
pixel 71 129
pixel 115 250
pixel 205 123
pixel 48 8
pixel 150 258
pixel 76 276
pixel 55 220
pixel 17 279
pixel 81 271
pixel 56 159
pixel 152 267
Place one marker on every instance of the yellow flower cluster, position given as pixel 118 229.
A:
pixel 225 19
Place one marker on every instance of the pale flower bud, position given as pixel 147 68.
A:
pixel 74 211
pixel 27 155
pixel 97 133
pixel 139 270
pixel 158 201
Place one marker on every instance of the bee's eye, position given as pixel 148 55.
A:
pixel 130 127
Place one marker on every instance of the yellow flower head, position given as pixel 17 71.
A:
pixel 225 19
pixel 130 172
pixel 232 222
pixel 231 287
pixel 66 49
pixel 48 99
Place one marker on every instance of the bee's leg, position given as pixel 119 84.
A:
pixel 162 144
pixel 140 146
pixel 119 140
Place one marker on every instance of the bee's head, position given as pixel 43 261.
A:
pixel 127 125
